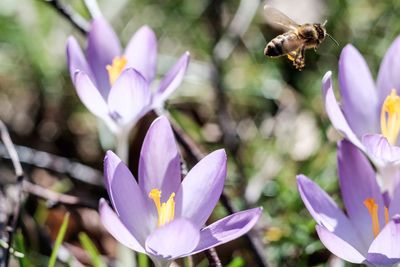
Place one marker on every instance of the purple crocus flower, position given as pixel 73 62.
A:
pixel 369 232
pixel 114 84
pixel 162 216
pixel 369 114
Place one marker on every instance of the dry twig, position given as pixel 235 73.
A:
pixel 13 220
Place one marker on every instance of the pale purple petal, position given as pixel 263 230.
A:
pixel 201 188
pixel 325 212
pixel 388 76
pixel 116 228
pixel 335 113
pixel 339 246
pixel 126 196
pixel 394 206
pixel 227 229
pixel 172 80
pixel 357 90
pixel 357 183
pixel 103 47
pixel 385 250
pixel 141 53
pixel 129 98
pixel 89 95
pixel 159 163
pixel 76 59
pixel 173 240
pixel 379 149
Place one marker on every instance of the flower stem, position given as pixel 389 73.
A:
pixel 67 12
pixel 93 8
pixel 125 256
pixel 122 147
pixel 143 260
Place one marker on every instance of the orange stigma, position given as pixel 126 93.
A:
pixel 114 70
pixel 372 207
pixel 390 117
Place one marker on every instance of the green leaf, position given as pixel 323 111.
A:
pixel 236 262
pixel 91 249
pixel 59 239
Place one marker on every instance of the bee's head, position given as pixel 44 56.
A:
pixel 320 28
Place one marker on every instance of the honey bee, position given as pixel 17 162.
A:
pixel 295 40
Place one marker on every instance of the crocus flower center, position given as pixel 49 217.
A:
pixel 165 210
pixel 115 69
pixel 372 207
pixel 390 117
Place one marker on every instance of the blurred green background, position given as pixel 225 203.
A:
pixel 274 114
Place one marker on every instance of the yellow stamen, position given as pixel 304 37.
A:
pixel 115 69
pixel 390 117
pixel 155 195
pixel 372 207
pixel 166 210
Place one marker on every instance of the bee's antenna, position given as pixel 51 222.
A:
pixel 333 39
pixel 330 36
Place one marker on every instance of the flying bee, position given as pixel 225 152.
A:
pixel 295 40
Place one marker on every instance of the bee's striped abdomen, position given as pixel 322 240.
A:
pixel 281 45
pixel 275 47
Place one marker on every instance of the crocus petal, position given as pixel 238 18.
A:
pixel 394 206
pixel 338 246
pixel 172 79
pixel 129 98
pixel 159 163
pixel 89 95
pixel 325 212
pixel 76 59
pixel 141 53
pixel 227 229
pixel 385 250
pixel 357 90
pixel 201 188
pixel 116 228
pixel 379 149
pixel 335 113
pixel 126 196
pixel 103 47
pixel 173 240
pixel 357 183
pixel 388 76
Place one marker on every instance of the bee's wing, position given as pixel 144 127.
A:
pixel 276 18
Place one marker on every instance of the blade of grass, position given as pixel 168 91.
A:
pixel 91 249
pixel 20 246
pixel 59 239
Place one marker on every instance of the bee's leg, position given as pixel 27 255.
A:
pixel 299 60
